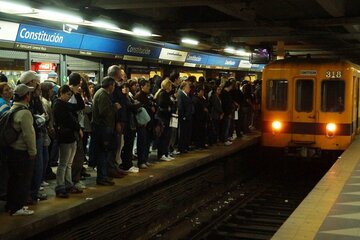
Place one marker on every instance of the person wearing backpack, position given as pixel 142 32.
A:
pixel 21 154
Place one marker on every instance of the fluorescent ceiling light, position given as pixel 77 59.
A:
pixel 190 41
pixel 106 25
pixel 52 15
pixel 141 32
pixel 14 8
pixel 229 50
pixel 242 52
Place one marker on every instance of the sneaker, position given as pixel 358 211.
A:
pixel 165 158
pixel 175 152
pixel 149 164
pixel 23 212
pixel 42 196
pixel 227 143
pixel 170 157
pixel 143 166
pixel 80 185
pixel 133 170
pixel 44 184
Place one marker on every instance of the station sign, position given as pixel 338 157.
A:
pixel 257 67
pixel 196 58
pixel 118 47
pixel 173 55
pixel 48 37
pixel 244 64
pixel 100 44
pixel 8 31
pixel 223 61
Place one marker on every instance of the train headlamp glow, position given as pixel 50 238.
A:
pixel 330 129
pixel 276 125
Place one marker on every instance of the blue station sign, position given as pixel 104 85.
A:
pixel 48 37
pixel 223 61
pixel 196 58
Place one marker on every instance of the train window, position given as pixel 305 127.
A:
pixel 332 95
pixel 277 94
pixel 304 95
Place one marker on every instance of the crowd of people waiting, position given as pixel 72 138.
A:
pixel 107 126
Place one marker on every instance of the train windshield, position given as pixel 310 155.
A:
pixel 332 95
pixel 304 95
pixel 277 95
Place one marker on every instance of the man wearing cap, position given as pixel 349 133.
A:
pixel 21 154
pixel 31 79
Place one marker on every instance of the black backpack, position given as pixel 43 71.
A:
pixel 8 134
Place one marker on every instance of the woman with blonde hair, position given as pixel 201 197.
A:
pixel 163 116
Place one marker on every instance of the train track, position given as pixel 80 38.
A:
pixel 254 209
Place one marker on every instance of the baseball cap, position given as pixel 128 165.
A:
pixel 28 76
pixel 52 75
pixel 22 90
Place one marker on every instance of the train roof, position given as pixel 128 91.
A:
pixel 311 61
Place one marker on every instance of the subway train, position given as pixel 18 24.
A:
pixel 310 105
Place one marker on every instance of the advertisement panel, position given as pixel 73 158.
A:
pixel 173 55
pixel 8 31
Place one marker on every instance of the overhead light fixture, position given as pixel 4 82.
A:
pixel 242 52
pixel 229 50
pixel 239 52
pixel 52 15
pixel 106 25
pixel 141 32
pixel 190 41
pixel 14 8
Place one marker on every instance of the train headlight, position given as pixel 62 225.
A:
pixel 330 129
pixel 276 126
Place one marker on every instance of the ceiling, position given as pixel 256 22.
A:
pixel 322 28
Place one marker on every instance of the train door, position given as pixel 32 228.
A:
pixel 304 113
pixel 357 99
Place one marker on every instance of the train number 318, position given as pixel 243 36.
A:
pixel 333 74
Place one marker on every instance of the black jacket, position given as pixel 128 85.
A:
pixel 164 104
pixel 185 106
pixel 66 121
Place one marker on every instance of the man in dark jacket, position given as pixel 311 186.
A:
pixel 104 117
pixel 186 111
pixel 228 108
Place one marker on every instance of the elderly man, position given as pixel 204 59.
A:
pixel 104 116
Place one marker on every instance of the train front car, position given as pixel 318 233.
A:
pixel 310 105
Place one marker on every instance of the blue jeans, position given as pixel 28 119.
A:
pixel 63 174
pixel 38 169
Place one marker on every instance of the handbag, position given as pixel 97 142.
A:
pixel 174 120
pixel 142 117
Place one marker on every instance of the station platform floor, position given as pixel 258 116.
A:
pixel 332 209
pixel 55 211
